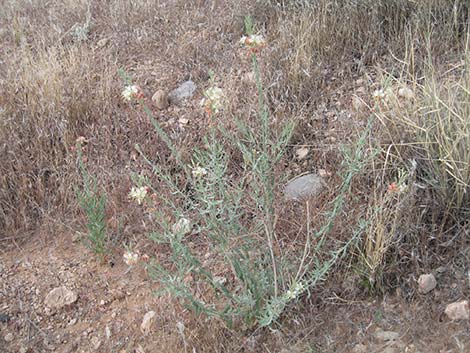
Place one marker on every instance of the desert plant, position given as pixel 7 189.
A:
pixel 241 278
pixel 93 204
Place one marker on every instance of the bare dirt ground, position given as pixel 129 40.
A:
pixel 112 301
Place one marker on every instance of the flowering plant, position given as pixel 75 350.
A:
pixel 213 100
pixel 199 172
pixel 253 42
pixel 138 193
pixel 132 92
pixel 130 258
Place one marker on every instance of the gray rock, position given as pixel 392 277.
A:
pixel 102 42
pixel 360 348
pixel 386 335
pixel 147 322
pixel 160 99
pixel 304 187
pixel 59 297
pixel 8 337
pixel 406 93
pixel 426 283
pixel 95 343
pixel 458 311
pixel 107 332
pixel 184 91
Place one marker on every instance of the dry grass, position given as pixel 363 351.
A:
pixel 58 87
pixel 315 40
pixel 424 143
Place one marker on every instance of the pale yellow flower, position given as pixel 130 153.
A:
pixel 253 41
pixel 138 194
pixel 199 172
pixel 80 139
pixel 130 92
pixel 183 226
pixel 213 100
pixel 378 94
pixel 130 258
pixel 294 292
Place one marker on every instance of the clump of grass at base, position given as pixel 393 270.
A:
pixel 424 143
pixel 225 258
pixel 93 204
pixel 434 130
pixel 389 206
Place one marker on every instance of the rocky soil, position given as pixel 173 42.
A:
pixel 56 297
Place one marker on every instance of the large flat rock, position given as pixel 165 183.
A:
pixel 304 187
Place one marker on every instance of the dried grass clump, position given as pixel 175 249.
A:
pixel 421 182
pixel 313 38
pixel 58 73
pixel 54 95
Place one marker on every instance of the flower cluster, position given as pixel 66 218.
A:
pixel 199 172
pixel 295 291
pixel 253 42
pixel 80 140
pixel 130 258
pixel 132 92
pixel 183 226
pixel 213 100
pixel 396 188
pixel 379 95
pixel 138 194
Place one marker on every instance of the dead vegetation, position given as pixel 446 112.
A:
pixel 405 63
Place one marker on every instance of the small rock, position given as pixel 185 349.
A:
pixel 458 310
pixel 360 348
pixel 184 91
pixel 95 343
pixel 161 100
pixel 361 90
pixel 102 42
pixel 220 280
pixel 301 153
pixel 147 322
pixel 426 283
pixel 4 318
pixel 304 187
pixel 183 122
pixel 249 78
pixel 59 297
pixel 386 335
pixel 70 347
pixel 107 332
pixel 8 337
pixel 358 104
pixel 406 93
